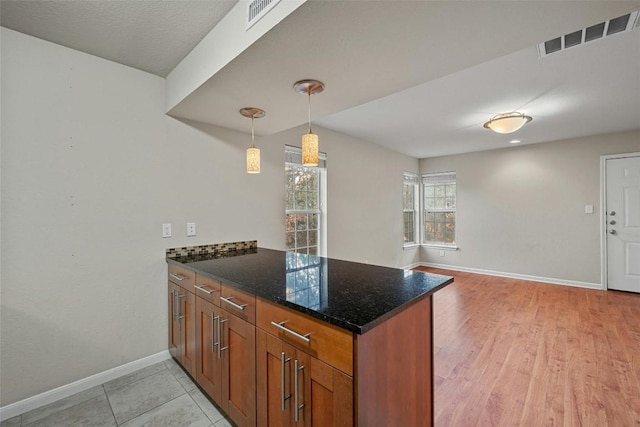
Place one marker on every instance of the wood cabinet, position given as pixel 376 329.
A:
pixel 296 389
pixel 182 331
pixel 225 360
pixel 208 372
pixel 265 364
pixel 395 370
pixel 174 323
pixel 238 355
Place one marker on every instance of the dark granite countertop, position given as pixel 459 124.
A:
pixel 350 295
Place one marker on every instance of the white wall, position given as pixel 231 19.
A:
pixel 91 168
pixel 520 209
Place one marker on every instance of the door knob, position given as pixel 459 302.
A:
pixel 612 232
pixel 612 213
pixel 612 222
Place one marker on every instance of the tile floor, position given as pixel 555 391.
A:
pixel 159 395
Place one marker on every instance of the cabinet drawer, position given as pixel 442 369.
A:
pixel 207 289
pixel 182 277
pixel 328 343
pixel 239 303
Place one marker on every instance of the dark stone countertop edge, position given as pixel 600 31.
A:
pixel 358 329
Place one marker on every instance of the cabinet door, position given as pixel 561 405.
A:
pixel 187 317
pixel 174 322
pixel 324 394
pixel 238 347
pixel 273 380
pixel 208 372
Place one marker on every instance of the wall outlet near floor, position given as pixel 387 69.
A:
pixel 191 229
pixel 166 230
pixel 441 253
pixel 588 209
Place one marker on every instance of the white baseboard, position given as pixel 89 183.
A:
pixel 414 265
pixel 513 275
pixel 26 405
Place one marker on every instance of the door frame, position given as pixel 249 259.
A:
pixel 604 273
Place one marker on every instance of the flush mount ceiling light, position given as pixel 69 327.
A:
pixel 508 122
pixel 309 140
pixel 253 153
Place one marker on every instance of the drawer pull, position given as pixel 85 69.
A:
pixel 205 290
pixel 233 304
pixel 306 337
pixel 178 277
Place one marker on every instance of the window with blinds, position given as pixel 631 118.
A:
pixel 439 204
pixel 410 208
pixel 304 209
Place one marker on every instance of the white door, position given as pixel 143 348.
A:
pixel 622 203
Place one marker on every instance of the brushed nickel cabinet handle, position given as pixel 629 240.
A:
pixel 178 296
pixel 213 336
pixel 306 337
pixel 178 277
pixel 284 360
pixel 298 406
pixel 215 343
pixel 175 314
pixel 220 348
pixel 233 304
pixel 205 290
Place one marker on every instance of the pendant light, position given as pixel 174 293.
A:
pixel 253 153
pixel 508 122
pixel 309 140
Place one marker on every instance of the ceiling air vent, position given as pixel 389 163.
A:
pixel 256 9
pixel 604 29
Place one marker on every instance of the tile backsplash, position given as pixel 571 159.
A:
pixel 210 249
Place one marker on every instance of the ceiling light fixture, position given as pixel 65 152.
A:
pixel 309 140
pixel 515 141
pixel 508 122
pixel 253 153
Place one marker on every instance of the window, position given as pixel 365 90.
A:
pixel 439 219
pixel 410 208
pixel 304 215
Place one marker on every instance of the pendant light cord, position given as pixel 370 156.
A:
pixel 309 93
pixel 253 144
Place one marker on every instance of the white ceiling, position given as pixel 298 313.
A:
pixel 419 77
pixel 150 35
pixel 585 90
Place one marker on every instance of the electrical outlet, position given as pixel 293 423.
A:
pixel 191 229
pixel 588 209
pixel 166 230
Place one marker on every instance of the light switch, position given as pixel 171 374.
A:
pixel 588 209
pixel 441 253
pixel 166 230
pixel 191 229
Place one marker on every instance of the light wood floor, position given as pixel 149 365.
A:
pixel 516 353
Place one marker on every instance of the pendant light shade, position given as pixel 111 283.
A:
pixel 253 153
pixel 508 122
pixel 310 149
pixel 253 159
pixel 309 140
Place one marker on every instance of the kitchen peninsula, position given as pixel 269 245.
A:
pixel 279 338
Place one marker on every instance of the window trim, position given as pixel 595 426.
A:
pixel 293 156
pixel 438 245
pixel 414 179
